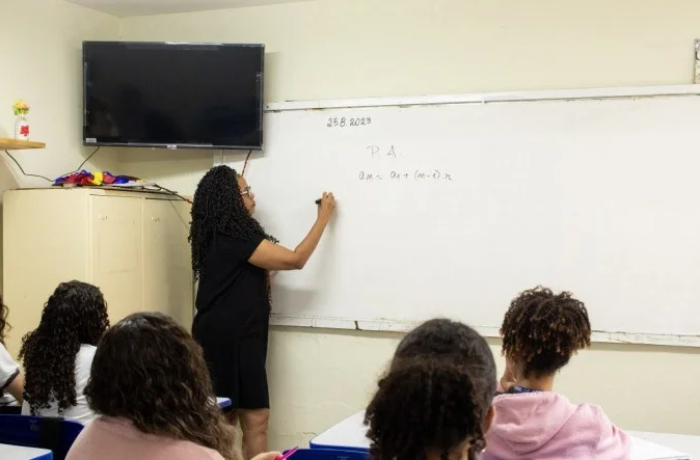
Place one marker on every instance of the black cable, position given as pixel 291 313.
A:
pixel 23 172
pixel 245 164
pixel 83 163
pixel 170 192
pixel 86 159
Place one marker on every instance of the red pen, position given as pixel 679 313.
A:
pixel 288 454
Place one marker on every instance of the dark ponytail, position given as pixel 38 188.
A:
pixel 426 406
pixel 436 395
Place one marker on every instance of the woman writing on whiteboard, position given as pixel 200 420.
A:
pixel 232 257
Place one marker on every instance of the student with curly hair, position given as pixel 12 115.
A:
pixel 435 401
pixel 541 331
pixel 58 354
pixel 232 257
pixel 150 387
pixel 11 382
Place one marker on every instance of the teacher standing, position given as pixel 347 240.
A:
pixel 232 257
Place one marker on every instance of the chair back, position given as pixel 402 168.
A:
pixel 55 434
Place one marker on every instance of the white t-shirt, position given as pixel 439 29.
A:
pixel 81 412
pixel 9 370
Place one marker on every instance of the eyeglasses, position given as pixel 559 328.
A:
pixel 246 191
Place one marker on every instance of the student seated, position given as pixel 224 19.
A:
pixel 541 331
pixel 435 401
pixel 11 383
pixel 58 354
pixel 151 389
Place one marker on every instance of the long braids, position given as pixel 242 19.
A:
pixel 218 208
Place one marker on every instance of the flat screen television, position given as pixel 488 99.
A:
pixel 173 95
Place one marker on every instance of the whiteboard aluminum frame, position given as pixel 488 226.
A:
pixel 627 338
pixel 483 98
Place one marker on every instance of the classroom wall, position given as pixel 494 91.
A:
pixel 329 49
pixel 40 44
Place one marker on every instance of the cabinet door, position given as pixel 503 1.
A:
pixel 116 259
pixel 45 243
pixel 167 268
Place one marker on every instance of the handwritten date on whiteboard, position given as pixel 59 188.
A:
pixel 342 122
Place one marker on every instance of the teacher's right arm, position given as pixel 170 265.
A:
pixel 271 256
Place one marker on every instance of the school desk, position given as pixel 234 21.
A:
pixel 350 435
pixel 10 452
pixel 681 442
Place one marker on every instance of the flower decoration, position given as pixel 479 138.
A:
pixel 20 107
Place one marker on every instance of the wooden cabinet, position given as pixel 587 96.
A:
pixel 164 225
pixel 132 245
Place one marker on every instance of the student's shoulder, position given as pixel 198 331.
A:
pixel 588 414
pixel 87 349
pixel 187 450
pixel 8 366
pixel 591 411
pixel 228 241
pixel 4 354
pixel 86 355
pixel 229 246
pixel 610 439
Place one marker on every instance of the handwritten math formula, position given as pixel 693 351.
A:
pixel 396 173
pixel 416 175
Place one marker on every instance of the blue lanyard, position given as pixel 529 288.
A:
pixel 517 389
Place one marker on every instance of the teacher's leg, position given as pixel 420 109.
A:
pixel 254 425
pixel 232 418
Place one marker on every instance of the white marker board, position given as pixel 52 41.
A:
pixel 452 209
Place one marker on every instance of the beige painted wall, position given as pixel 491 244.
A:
pixel 40 44
pixel 330 49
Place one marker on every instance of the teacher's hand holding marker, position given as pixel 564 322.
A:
pixel 326 206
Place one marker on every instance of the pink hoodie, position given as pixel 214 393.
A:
pixel 547 426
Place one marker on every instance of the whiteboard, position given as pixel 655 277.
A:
pixel 451 209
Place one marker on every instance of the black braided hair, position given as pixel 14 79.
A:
pixel 542 330
pixel 218 208
pixel 75 314
pixel 436 395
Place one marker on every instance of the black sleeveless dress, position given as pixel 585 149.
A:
pixel 232 321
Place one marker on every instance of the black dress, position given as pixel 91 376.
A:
pixel 232 320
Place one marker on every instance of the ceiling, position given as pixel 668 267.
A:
pixel 126 8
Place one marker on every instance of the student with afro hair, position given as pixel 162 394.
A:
pixel 541 332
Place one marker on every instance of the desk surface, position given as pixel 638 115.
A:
pixel 684 443
pixel 9 452
pixel 350 434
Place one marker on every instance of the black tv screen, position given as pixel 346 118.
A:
pixel 173 95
